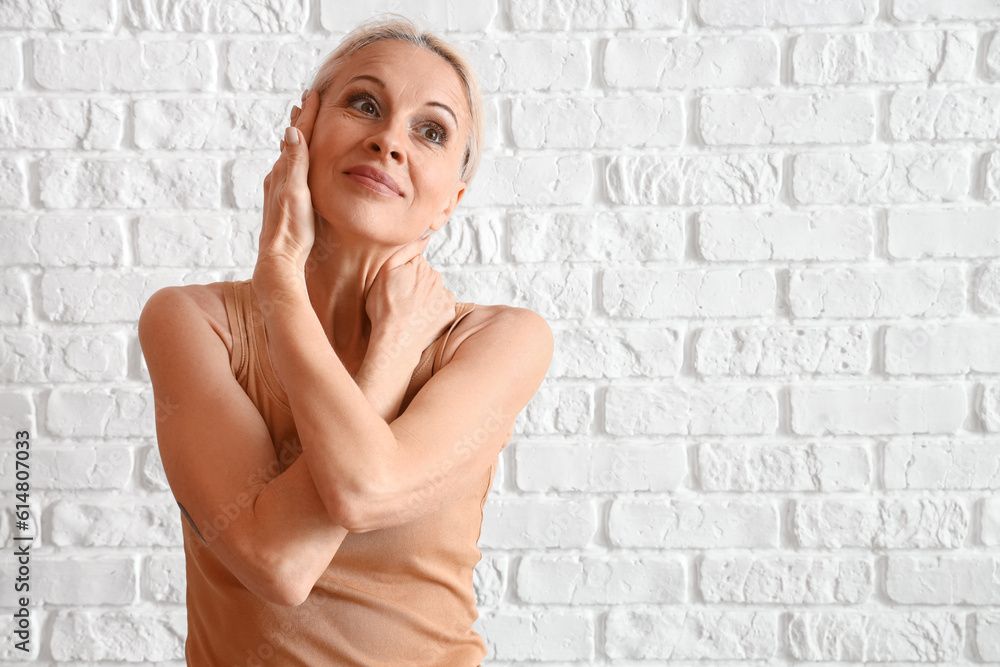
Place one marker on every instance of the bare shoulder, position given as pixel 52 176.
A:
pixel 207 302
pixel 522 326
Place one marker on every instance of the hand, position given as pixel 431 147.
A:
pixel 407 299
pixel 288 229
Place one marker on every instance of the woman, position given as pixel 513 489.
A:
pixel 331 427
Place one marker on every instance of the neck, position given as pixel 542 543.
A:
pixel 339 273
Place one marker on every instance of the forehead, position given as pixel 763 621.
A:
pixel 407 67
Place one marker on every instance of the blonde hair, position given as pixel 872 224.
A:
pixel 393 26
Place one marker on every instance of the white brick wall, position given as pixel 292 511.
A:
pixel 765 232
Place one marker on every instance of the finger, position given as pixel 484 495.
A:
pixel 296 152
pixel 295 114
pixel 406 253
pixel 307 117
pixel 398 258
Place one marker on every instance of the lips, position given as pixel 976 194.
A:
pixel 374 179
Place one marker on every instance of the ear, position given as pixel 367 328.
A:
pixel 456 196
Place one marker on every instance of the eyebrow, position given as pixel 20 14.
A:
pixel 379 82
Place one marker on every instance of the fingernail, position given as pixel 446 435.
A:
pixel 292 136
pixel 295 113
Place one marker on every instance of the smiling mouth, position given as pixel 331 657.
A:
pixel 375 180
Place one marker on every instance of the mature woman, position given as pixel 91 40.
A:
pixel 330 428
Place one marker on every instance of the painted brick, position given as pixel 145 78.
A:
pixel 943 233
pixel 987 635
pixel 239 16
pixel 906 291
pixel 597 468
pixel 693 635
pixel 899 56
pixel 91 581
pixel 61 123
pixel 771 351
pixel 522 636
pixel 943 10
pixel 586 580
pixel 924 464
pixel 79 636
pixel 68 15
pixel 941 349
pixel 210 124
pixel 609 122
pixel 182 240
pixel 690 410
pixel 785 118
pixel 438 16
pixel 163 578
pixel 691 62
pixel 881 408
pixel 744 578
pixel 596 236
pixel 124 65
pixel 654 294
pixel 11 73
pixel 881 177
pixel 991 188
pixel 946 115
pixel 785 12
pixel 13 183
pixel 116 525
pixel 989 530
pixel 993 55
pixel 14 299
pixel 80 240
pixel 697 179
pixel 558 409
pixel 686 524
pixel 876 637
pixel 595 14
pixel 621 352
pixel 534 523
pixel 136 184
pixel 540 180
pixel 783 467
pixel 942 580
pixel 273 66
pixel 903 523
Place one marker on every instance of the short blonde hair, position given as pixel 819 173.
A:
pixel 393 26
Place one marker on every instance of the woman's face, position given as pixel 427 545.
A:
pixel 388 143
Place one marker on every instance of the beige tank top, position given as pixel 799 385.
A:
pixel 398 596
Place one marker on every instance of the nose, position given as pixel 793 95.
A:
pixel 388 139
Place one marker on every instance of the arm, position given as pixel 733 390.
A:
pixel 373 475
pixel 272 531
pixel 384 375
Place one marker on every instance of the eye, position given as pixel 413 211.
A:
pixel 363 103
pixel 434 133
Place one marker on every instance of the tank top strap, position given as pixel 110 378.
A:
pixel 462 309
pixel 236 312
